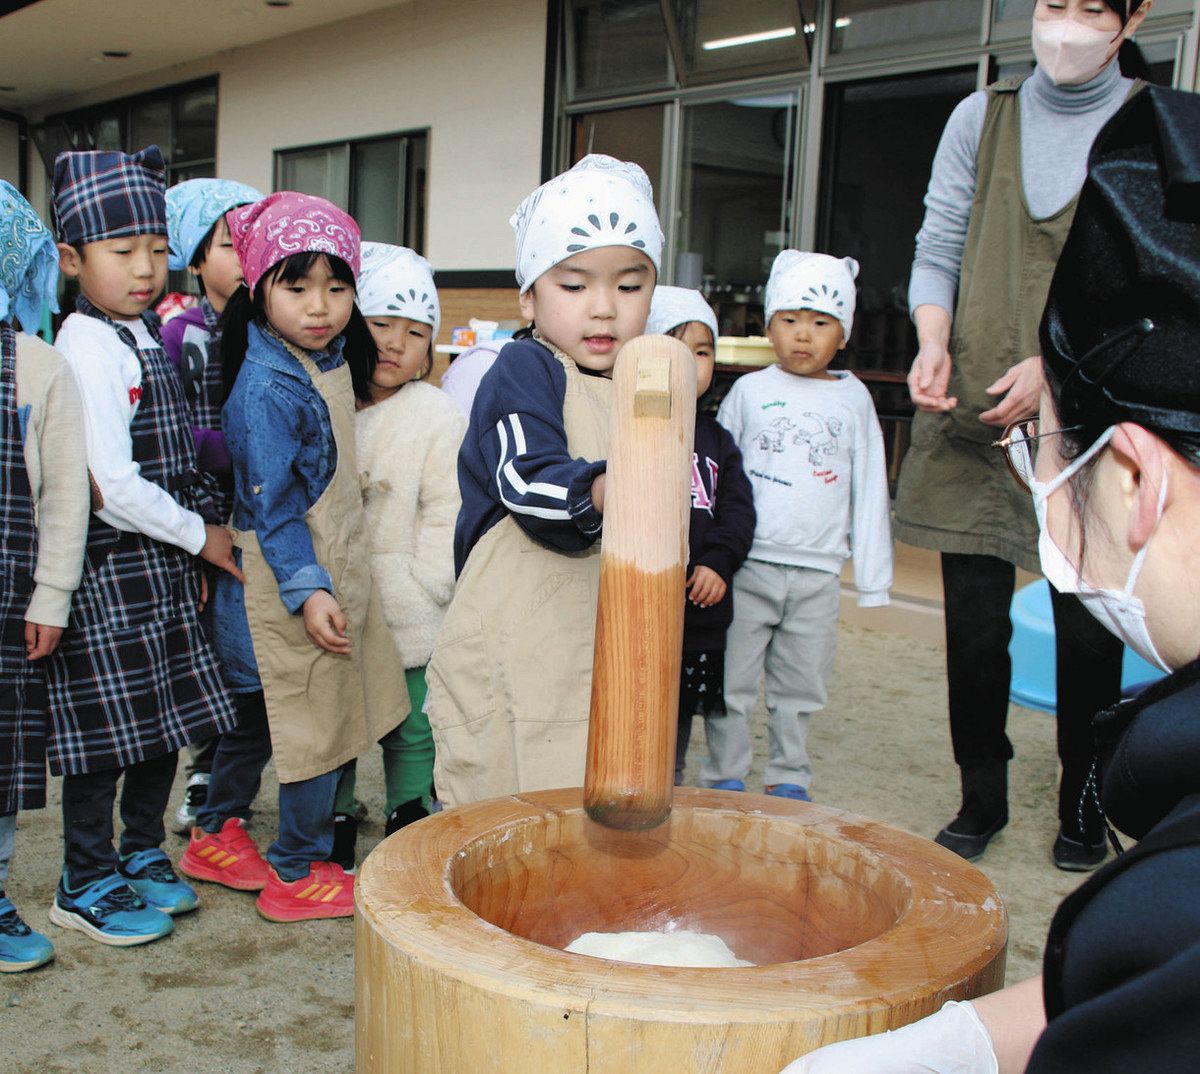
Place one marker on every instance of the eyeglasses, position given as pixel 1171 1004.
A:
pixel 1017 444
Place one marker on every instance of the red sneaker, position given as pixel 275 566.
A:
pixel 327 891
pixel 228 857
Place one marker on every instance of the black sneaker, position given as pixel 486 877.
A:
pixel 403 815
pixel 345 839
pixel 1073 856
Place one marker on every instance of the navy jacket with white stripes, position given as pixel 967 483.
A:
pixel 514 458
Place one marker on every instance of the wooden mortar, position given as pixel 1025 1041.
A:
pixel 858 928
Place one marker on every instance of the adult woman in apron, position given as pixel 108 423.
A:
pixel 1001 199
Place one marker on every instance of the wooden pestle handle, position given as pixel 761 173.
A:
pixel 630 772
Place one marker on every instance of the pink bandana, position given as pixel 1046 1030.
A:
pixel 287 223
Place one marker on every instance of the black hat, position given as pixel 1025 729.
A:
pixel 1121 331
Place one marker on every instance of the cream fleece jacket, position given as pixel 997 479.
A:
pixel 56 462
pixel 407 456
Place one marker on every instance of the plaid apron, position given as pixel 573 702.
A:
pixel 134 677
pixel 204 389
pixel 22 683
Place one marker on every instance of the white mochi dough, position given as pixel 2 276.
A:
pixel 679 948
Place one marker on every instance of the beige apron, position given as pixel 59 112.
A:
pixel 955 493
pixel 324 709
pixel 510 679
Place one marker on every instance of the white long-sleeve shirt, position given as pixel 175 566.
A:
pixel 110 380
pixel 813 451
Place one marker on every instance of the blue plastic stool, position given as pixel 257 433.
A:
pixel 1032 652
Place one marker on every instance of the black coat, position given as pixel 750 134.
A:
pixel 1122 970
pixel 720 531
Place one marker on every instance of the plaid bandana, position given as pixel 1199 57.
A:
pixel 193 207
pixel 28 262
pixel 286 223
pixel 105 194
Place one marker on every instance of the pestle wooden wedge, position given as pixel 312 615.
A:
pixel 630 770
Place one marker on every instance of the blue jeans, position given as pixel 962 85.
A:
pixel 305 807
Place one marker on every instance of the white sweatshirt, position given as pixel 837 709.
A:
pixel 813 451
pixel 110 381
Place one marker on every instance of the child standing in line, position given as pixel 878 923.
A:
pixel 721 524
pixel 407 438
pixel 133 679
pixel 43 528
pixel 813 451
pixel 198 240
pixel 303 644
pixel 510 677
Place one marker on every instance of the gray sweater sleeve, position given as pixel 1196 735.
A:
pixel 948 201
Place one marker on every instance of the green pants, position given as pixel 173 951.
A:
pixel 407 756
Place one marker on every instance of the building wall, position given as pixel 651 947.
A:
pixel 472 72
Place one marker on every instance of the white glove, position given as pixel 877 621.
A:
pixel 953 1041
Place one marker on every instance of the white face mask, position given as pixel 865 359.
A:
pixel 1068 51
pixel 1118 610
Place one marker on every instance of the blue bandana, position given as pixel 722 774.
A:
pixel 193 207
pixel 104 194
pixel 28 262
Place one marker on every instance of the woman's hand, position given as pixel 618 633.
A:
pixel 705 587
pixel 929 379
pixel 1021 387
pixel 326 623
pixel 953 1041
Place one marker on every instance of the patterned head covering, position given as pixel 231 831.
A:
pixel 672 306
pixel 600 202
pixel 28 261
pixel 193 207
pixel 105 194
pixel 397 282
pixel 804 281
pixel 286 223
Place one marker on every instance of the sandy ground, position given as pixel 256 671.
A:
pixel 231 992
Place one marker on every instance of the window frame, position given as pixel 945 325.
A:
pixel 412 208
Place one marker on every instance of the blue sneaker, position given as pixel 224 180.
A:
pixel 789 790
pixel 150 874
pixel 20 947
pixel 727 785
pixel 109 911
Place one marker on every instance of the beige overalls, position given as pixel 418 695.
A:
pixel 324 709
pixel 511 674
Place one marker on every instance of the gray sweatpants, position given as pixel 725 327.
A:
pixel 784 624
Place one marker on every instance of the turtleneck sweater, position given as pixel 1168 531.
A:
pixel 1058 126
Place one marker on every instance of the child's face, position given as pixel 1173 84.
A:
pixel 220 271
pixel 805 341
pixel 120 277
pixel 592 303
pixel 700 342
pixel 403 347
pixel 312 311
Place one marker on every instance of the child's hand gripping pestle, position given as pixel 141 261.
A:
pixel 643 559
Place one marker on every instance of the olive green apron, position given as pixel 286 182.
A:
pixel 324 709
pixel 510 678
pixel 955 493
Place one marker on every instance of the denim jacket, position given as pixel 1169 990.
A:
pixel 281 444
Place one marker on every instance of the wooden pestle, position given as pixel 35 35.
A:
pixel 630 772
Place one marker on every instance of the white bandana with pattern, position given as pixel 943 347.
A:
pixel 600 202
